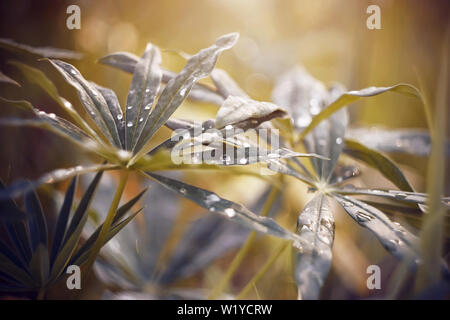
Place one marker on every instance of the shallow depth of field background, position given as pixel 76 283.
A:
pixel 328 37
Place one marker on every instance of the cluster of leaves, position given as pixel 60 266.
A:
pixel 307 115
pixel 28 264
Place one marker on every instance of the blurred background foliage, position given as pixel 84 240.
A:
pixel 328 37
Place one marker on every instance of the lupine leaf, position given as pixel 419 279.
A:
pixel 5 79
pixel 92 100
pixel 144 87
pixel 395 239
pixel 225 85
pixel 63 219
pixel 198 66
pixel 228 209
pixel 114 106
pixel 408 141
pixel 315 224
pixel 46 52
pixel 22 186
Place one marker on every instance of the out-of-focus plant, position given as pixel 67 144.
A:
pixel 28 263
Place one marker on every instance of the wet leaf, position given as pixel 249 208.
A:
pixel 74 229
pixel 198 66
pixel 244 113
pixel 228 209
pixel 395 239
pixel 91 99
pixel 301 94
pixel 409 141
pixel 22 186
pixel 37 77
pixel 315 225
pixel 144 87
pixel 378 161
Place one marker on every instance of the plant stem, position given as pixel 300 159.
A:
pixel 108 222
pixel 278 251
pixel 218 289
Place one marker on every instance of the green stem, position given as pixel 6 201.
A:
pixel 252 283
pixel 218 289
pixel 108 222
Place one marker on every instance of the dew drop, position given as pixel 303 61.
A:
pixel 147 107
pixel 338 140
pixel 52 115
pixel 363 217
pixel 228 127
pixel 73 72
pixel 130 107
pixel 147 90
pixel 119 117
pixel 243 161
pixel 303 121
pixel 212 209
pixel 401 196
pixel 141 119
pixel 182 91
pixel 183 190
pixel 230 212
pixel 129 124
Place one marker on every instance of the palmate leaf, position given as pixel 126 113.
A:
pixel 92 100
pixel 22 186
pixel 228 209
pixel 144 87
pixel 398 241
pixel 315 225
pixel 352 96
pixel 378 161
pixel 198 66
pixel 244 113
pixel 46 52
pixel 126 61
pixel 409 141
